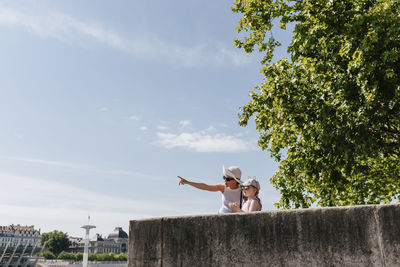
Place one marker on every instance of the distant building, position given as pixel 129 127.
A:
pixel 18 244
pixel 116 242
pixel 14 235
pixel 76 244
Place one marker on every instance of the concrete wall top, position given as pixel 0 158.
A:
pixel 344 236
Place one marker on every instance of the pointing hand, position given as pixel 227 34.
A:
pixel 182 181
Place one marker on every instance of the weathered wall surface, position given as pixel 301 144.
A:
pixel 347 236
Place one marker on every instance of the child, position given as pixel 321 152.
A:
pixel 252 202
pixel 230 190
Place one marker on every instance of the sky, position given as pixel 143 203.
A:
pixel 103 104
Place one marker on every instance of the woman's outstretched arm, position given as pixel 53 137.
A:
pixel 203 186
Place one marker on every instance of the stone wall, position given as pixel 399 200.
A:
pixel 346 236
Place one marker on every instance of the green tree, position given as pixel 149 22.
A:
pixel 330 113
pixel 78 256
pixel 92 257
pixel 56 241
pixel 121 257
pixel 66 256
pixel 48 255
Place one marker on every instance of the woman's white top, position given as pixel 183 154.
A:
pixel 246 205
pixel 229 196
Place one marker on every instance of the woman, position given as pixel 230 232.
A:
pixel 252 202
pixel 230 189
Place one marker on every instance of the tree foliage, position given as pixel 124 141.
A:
pixel 56 241
pixel 48 255
pixel 330 113
pixel 66 256
pixel 78 256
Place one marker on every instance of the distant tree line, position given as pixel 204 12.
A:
pixel 57 243
pixel 79 256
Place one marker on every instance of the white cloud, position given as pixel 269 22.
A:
pixel 162 127
pixel 209 129
pixel 143 128
pixel 184 123
pixel 55 25
pixel 79 167
pixel 103 109
pixel 203 142
pixel 134 118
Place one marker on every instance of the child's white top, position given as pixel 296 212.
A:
pixel 247 204
pixel 229 196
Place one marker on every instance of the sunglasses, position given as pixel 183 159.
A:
pixel 227 178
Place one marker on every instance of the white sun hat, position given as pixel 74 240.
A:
pixel 253 182
pixel 234 172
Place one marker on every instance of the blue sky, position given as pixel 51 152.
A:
pixel 104 103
